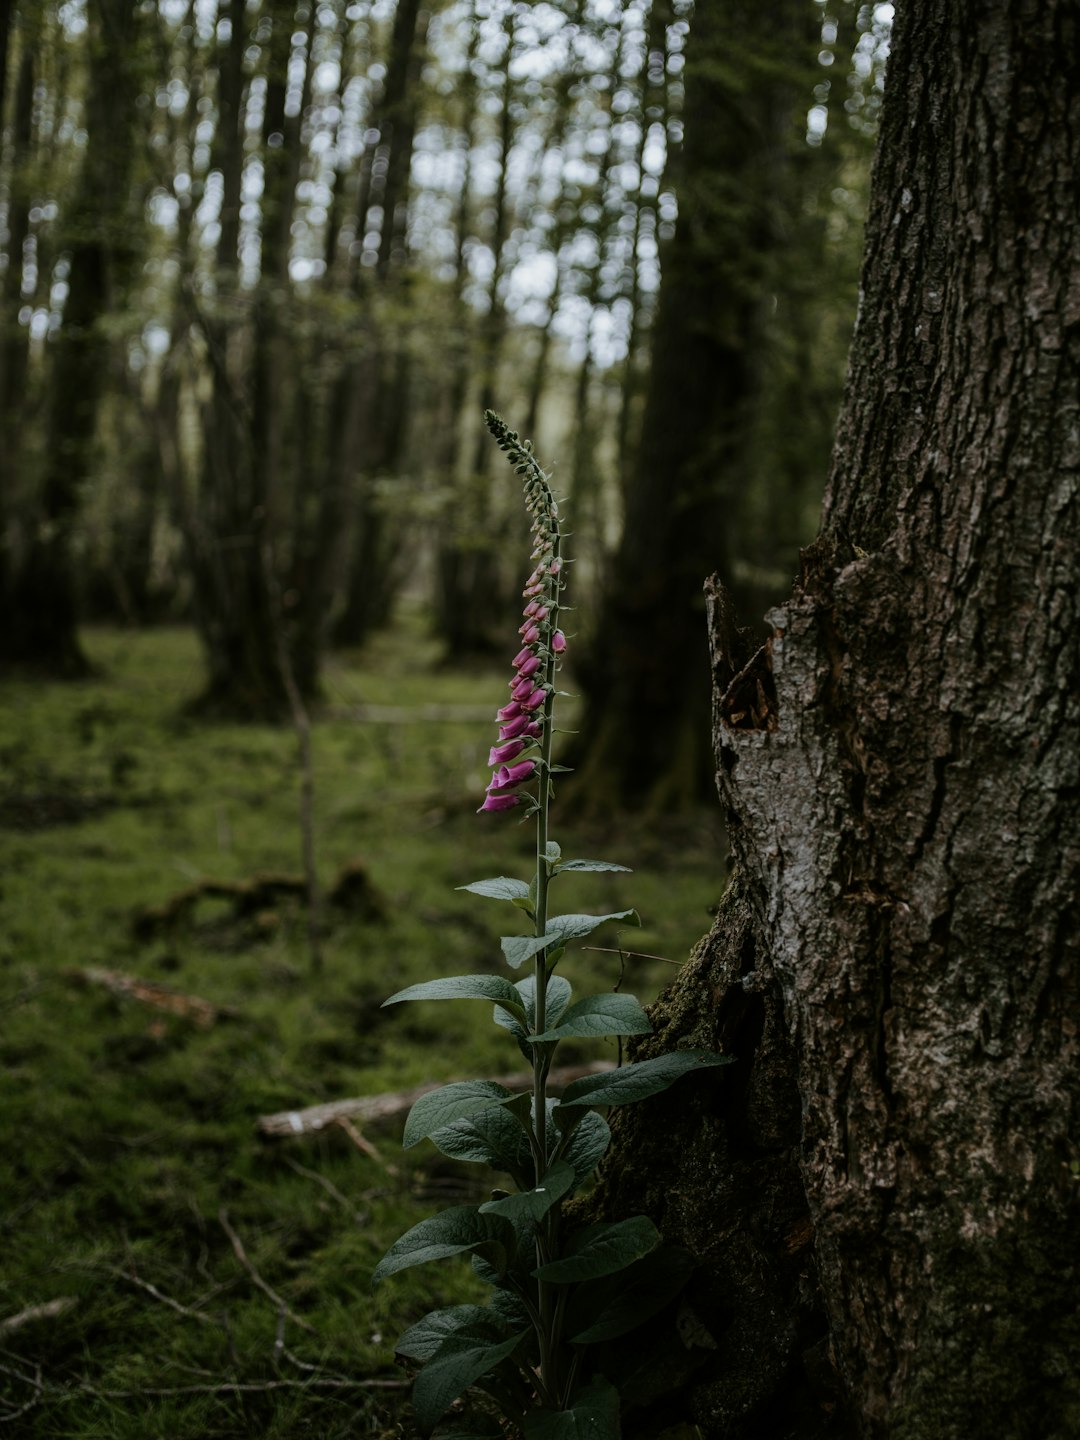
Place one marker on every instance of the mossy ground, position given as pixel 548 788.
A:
pixel 127 1130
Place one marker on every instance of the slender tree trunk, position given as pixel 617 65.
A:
pixel 888 1180
pixel 470 572
pixel 373 388
pixel 681 497
pixel 42 600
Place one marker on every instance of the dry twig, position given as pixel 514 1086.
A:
pixel 242 1255
pixel 49 1310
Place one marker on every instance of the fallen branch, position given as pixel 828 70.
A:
pixel 242 1255
pixel 395 1102
pixel 159 997
pixel 49 1310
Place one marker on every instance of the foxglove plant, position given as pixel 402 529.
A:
pixel 558 1294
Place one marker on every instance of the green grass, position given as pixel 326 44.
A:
pixel 127 1131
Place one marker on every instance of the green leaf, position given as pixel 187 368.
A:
pixel 534 1204
pixel 519 948
pixel 591 865
pixel 502 887
pixel 450 1102
pixel 600 1015
pixel 605 1309
pixel 460 1361
pixel 422 1340
pixel 602 1250
pixel 593 1415
pixel 562 928
pixel 634 1082
pixel 452 1232
pixel 463 987
pixel 491 1137
pixel 552 851
pixel 586 1146
pixel 558 996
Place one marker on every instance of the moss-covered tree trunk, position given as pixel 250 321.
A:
pixel 885 1195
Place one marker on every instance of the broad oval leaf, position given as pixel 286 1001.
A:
pixel 463 987
pixel 634 1082
pixel 459 1362
pixel 439 1108
pixel 587 1145
pixel 456 1231
pixel 599 1015
pixel 502 887
pixel 535 1203
pixel 605 1309
pixel 552 852
pixel 593 1415
pixel 602 1250
pixel 491 1137
pixel 591 865
pixel 422 1340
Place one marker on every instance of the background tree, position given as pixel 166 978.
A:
pixel 884 1194
pixel 97 253
pixel 683 514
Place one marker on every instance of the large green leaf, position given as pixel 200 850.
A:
pixel 533 1204
pixel 599 1015
pixel 491 1137
pixel 562 928
pixel 439 1107
pixel 459 1361
pixel 457 1231
pixel 607 1308
pixel 602 1250
pixel 502 887
pixel 464 987
pixel 422 1340
pixel 590 865
pixel 593 1415
pixel 633 1082
pixel 586 1146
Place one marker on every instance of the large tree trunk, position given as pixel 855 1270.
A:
pixel 897 970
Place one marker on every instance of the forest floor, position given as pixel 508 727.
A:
pixel 168 1270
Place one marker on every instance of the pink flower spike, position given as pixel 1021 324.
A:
pixel 531 608
pixel 521 657
pixel 521 689
pixel 533 729
pixel 519 725
pixel 541 615
pixel 530 666
pixel 558 642
pixel 500 802
pixel 555 567
pixel 516 774
pixel 530 635
pixel 509 712
pixel 500 754
pixel 535 700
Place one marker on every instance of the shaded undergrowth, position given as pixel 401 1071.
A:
pixel 198 1280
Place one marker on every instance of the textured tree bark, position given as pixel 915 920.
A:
pixel 900 767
